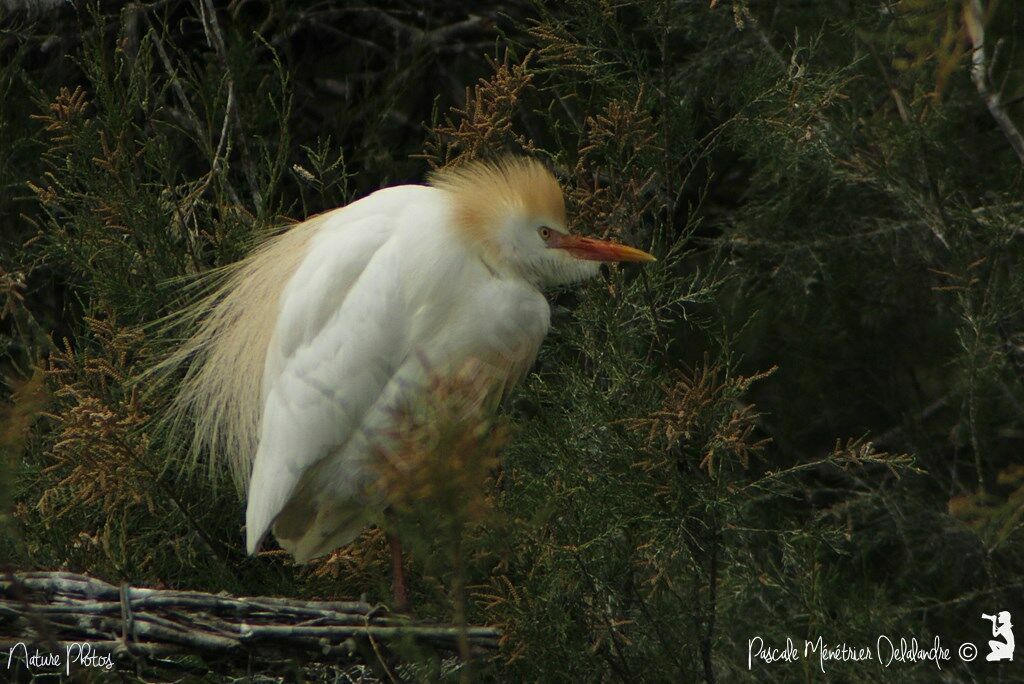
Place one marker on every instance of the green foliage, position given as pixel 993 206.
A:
pixel 805 419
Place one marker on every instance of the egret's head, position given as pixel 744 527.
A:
pixel 513 212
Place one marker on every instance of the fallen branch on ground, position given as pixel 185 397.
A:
pixel 50 610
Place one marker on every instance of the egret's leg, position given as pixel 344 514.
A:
pixel 399 592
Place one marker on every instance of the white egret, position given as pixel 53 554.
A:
pixel 300 358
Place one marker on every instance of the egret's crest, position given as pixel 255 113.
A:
pixel 485 192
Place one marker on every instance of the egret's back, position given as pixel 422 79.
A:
pixel 230 332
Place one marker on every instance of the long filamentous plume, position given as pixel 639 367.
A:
pixel 228 331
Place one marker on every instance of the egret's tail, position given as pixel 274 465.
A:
pixel 227 333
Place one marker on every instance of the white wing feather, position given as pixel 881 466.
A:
pixel 384 298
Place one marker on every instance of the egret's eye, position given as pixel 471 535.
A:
pixel 545 233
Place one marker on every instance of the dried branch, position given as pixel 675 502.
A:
pixel 974 19
pixel 190 119
pixel 215 38
pixel 52 608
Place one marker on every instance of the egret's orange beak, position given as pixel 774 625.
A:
pixel 600 250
